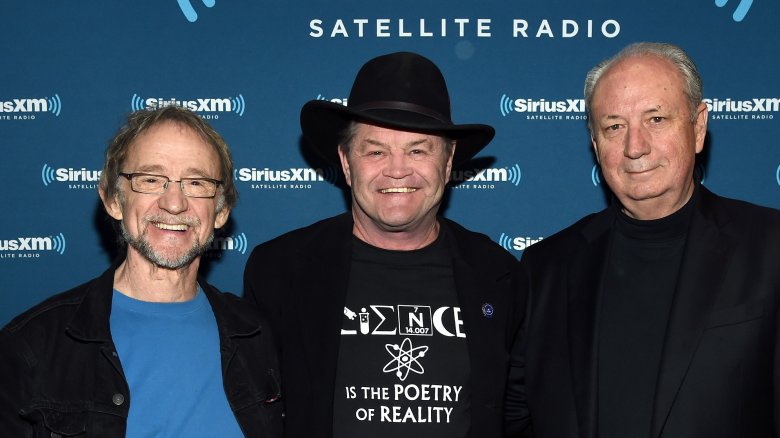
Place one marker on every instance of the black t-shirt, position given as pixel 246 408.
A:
pixel 639 284
pixel 403 366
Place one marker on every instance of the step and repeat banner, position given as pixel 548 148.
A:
pixel 71 72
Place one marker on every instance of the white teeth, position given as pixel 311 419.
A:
pixel 399 190
pixel 176 227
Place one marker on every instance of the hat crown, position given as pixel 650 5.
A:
pixel 402 81
pixel 401 91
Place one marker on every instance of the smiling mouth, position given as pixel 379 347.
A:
pixel 640 171
pixel 171 227
pixel 398 190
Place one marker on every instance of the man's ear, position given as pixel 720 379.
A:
pixel 344 164
pixel 221 218
pixel 449 161
pixel 700 126
pixel 595 148
pixel 112 206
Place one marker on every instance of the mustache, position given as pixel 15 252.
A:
pixel 173 220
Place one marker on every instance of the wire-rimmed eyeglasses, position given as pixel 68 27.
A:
pixel 157 184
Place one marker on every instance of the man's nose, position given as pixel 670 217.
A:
pixel 398 165
pixel 637 142
pixel 173 200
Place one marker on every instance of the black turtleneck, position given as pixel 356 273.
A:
pixel 638 289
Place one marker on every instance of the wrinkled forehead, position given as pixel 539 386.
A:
pixel 172 147
pixel 639 82
pixel 640 68
pixel 396 137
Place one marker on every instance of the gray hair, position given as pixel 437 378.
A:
pixel 674 54
pixel 140 122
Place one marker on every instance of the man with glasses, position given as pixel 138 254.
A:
pixel 147 349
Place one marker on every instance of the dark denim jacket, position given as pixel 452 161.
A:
pixel 60 374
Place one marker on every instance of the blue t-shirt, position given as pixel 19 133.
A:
pixel 171 358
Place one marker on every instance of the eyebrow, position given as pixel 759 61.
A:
pixel 652 110
pixel 410 144
pixel 156 168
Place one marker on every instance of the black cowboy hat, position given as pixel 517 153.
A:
pixel 403 91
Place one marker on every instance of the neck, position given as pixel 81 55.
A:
pixel 142 280
pixel 402 240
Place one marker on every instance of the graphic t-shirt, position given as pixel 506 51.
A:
pixel 403 366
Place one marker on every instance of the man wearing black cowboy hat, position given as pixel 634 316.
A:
pixel 391 321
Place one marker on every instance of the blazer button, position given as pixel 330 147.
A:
pixel 118 399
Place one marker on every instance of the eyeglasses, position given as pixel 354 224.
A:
pixel 157 184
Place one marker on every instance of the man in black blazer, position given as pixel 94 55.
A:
pixel 391 321
pixel 656 317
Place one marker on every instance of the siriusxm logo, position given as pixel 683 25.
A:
pixel 189 11
pixel 479 177
pixel 22 107
pixel 285 175
pixel 200 105
pixel 342 101
pixel 230 243
pixel 777 175
pixel 292 178
pixel 742 8
pixel 70 175
pixel 32 244
pixel 517 243
pixel 764 104
pixel 508 105
pixel 595 175
pixel 701 172
pixel 747 109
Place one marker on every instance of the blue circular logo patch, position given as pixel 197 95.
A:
pixel 487 310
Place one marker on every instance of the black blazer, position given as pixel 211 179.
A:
pixel 300 280
pixel 719 371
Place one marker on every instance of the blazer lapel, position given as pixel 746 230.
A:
pixel 323 281
pixel 584 294
pixel 704 263
pixel 475 285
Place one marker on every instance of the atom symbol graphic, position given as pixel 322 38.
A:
pixel 405 359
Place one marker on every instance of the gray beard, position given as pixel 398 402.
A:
pixel 145 248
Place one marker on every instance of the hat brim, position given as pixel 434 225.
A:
pixel 323 122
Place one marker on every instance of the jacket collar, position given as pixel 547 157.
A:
pixel 323 260
pixel 235 317
pixel 90 322
pixel 585 273
pixel 704 262
pixel 464 253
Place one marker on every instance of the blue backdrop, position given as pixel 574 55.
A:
pixel 73 70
